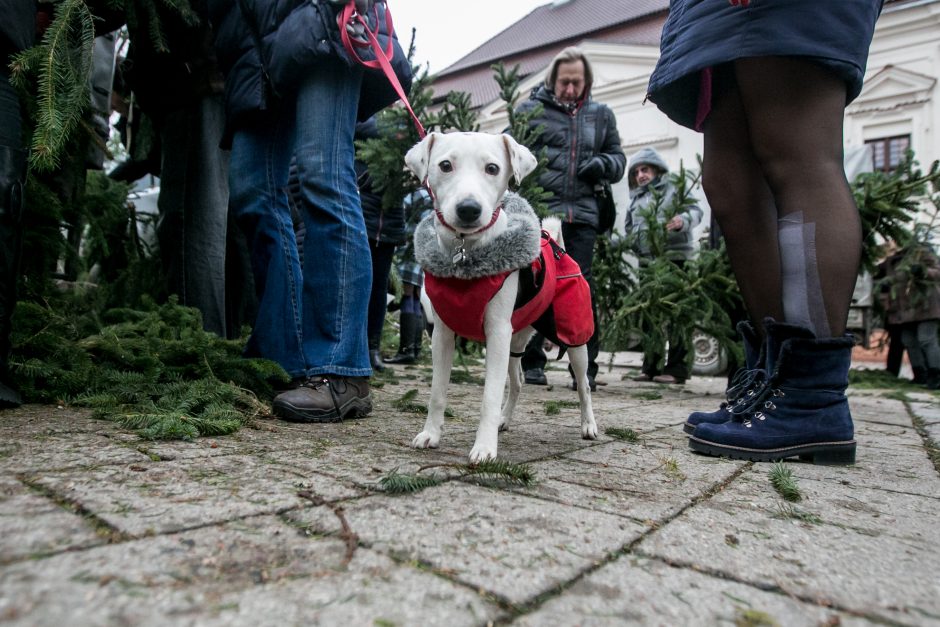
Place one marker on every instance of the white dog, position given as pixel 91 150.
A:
pixel 480 232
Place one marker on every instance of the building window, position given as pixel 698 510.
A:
pixel 888 152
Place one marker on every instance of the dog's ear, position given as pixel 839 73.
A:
pixel 418 158
pixel 520 158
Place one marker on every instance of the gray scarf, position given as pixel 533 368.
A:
pixel 514 248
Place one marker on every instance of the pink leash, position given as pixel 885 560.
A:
pixel 382 57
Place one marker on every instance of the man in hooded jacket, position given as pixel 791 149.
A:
pixel 652 205
pixel 580 140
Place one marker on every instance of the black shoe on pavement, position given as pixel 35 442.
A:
pixel 536 376
pixel 325 398
pixel 591 384
pixel 404 358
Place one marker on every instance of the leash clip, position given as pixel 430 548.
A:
pixel 460 253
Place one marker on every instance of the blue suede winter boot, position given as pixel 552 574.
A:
pixel 745 385
pixel 801 411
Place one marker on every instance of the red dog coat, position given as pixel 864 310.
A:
pixel 553 297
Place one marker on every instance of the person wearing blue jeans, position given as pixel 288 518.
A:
pixel 311 319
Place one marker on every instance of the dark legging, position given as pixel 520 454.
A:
pixel 773 147
pixel 382 253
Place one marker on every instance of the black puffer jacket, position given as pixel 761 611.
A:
pixel 570 139
pixel 289 40
pixel 17 28
pixel 385 225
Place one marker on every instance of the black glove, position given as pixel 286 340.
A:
pixel 592 170
pixel 917 271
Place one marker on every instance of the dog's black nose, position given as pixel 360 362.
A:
pixel 469 211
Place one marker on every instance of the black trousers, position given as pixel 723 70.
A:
pixel 579 244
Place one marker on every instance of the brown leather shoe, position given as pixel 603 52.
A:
pixel 325 398
pixel 642 377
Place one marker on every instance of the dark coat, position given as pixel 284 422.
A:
pixel 17 28
pixel 909 285
pixel 700 34
pixel 184 73
pixel 570 141
pixel 384 225
pixel 290 36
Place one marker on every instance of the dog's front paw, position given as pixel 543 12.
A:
pixel 480 453
pixel 589 430
pixel 426 439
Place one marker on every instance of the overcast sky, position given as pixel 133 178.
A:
pixel 449 29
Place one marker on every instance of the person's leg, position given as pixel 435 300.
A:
pixel 579 244
pixel 12 181
pixel 194 209
pixel 382 253
pixel 741 201
pixel 794 111
pixel 409 333
pixel 927 340
pixel 259 164
pixel 914 353
pixel 895 349
pixel 534 360
pixel 337 273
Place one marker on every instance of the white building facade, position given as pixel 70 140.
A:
pixel 897 108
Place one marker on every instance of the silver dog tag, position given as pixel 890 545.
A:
pixel 460 253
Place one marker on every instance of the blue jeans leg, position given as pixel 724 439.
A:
pixel 337 264
pixel 258 183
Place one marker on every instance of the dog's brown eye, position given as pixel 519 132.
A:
pixel 492 169
pixel 446 166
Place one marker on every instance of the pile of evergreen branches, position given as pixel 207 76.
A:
pixel 153 369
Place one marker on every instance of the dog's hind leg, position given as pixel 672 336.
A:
pixel 442 357
pixel 516 347
pixel 579 361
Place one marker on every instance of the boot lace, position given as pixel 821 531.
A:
pixel 760 402
pixel 746 386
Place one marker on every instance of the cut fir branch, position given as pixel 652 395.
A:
pixel 521 129
pixel 53 75
pixel 154 371
pixel 488 472
pixel 668 300
pixel 59 68
pixel 888 204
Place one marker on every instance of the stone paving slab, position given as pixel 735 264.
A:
pixel 160 497
pixel 639 591
pixel 98 527
pixel 510 545
pixel 60 451
pixel 634 480
pixel 32 525
pixel 249 572
pixel 844 547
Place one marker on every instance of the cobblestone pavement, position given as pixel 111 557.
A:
pixel 284 524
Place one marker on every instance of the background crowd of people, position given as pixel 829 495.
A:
pixel 285 105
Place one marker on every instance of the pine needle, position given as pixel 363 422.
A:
pixel 498 471
pixel 399 483
pixel 781 477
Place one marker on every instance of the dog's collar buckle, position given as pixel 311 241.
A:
pixel 460 252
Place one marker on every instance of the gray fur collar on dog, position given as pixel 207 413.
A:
pixel 514 248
